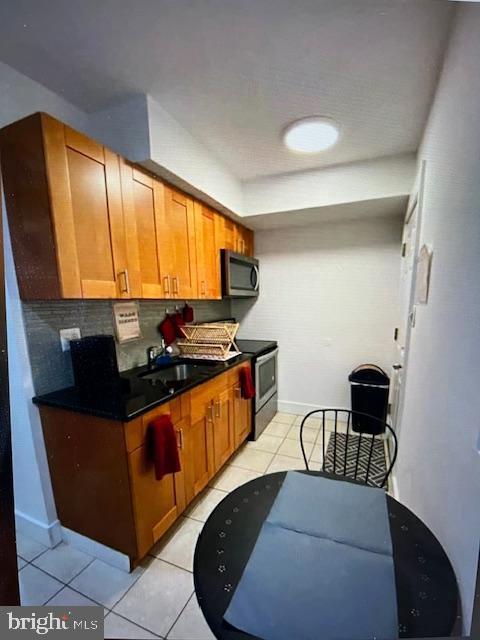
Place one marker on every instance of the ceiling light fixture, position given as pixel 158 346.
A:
pixel 311 135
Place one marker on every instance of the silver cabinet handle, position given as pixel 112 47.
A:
pixel 175 284
pixel 202 287
pixel 180 433
pixel 166 284
pixel 218 409
pixel 126 281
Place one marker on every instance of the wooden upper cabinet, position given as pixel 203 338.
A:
pixel 177 245
pixel 248 242
pixel 143 203
pixel 86 223
pixel 233 236
pixel 208 260
pixel 244 240
pixel 64 204
pixel 226 233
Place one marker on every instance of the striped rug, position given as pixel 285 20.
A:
pixel 378 463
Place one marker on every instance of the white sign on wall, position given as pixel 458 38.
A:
pixel 423 275
pixel 127 322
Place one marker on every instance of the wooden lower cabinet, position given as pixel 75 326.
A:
pixel 242 416
pixel 223 418
pixel 103 475
pixel 197 457
pixel 156 503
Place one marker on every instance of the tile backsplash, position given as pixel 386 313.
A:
pixel 51 367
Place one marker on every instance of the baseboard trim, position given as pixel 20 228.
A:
pixel 394 483
pixel 301 409
pixel 96 549
pixel 48 534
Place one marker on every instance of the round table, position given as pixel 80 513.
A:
pixel 427 593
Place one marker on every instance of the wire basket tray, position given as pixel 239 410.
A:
pixel 222 334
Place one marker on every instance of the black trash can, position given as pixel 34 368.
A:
pixel 369 386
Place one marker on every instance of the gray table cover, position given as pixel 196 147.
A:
pixel 350 513
pixel 322 566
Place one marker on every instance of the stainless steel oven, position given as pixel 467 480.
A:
pixel 240 275
pixel 265 378
pixel 264 354
pixel 266 394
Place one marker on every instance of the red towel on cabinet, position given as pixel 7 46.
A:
pixel 168 330
pixel 163 443
pixel 187 313
pixel 179 323
pixel 246 383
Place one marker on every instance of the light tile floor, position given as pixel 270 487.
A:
pixel 157 599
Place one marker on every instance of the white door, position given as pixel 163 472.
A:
pixel 410 244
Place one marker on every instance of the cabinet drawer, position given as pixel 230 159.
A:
pixel 234 374
pixel 202 395
pixel 136 430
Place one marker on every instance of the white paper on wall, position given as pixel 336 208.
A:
pixel 423 275
pixel 127 322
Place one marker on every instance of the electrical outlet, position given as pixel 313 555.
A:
pixel 69 334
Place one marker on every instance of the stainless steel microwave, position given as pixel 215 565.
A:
pixel 240 275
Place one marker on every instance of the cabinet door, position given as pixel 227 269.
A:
pixel 143 204
pixel 197 453
pixel 223 438
pixel 248 242
pixel 86 202
pixel 242 416
pixel 207 253
pixel 244 241
pixel 154 501
pixel 177 244
pixel 226 233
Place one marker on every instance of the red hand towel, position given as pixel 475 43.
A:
pixel 179 323
pixel 187 313
pixel 168 330
pixel 246 383
pixel 163 442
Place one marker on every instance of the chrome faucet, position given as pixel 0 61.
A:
pixel 153 352
pixel 157 350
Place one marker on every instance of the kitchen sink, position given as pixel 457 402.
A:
pixel 177 372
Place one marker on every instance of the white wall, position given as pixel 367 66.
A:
pixel 173 148
pixel 20 96
pixel 438 469
pixel 34 505
pixel 329 297
pixel 352 182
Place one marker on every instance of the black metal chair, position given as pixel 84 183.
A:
pixel 352 453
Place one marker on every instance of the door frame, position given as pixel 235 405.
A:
pixel 9 591
pixel 416 203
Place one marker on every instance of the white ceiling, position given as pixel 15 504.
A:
pixel 235 72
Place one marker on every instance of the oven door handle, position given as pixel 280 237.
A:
pixel 267 356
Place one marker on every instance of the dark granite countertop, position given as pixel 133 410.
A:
pixel 134 394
